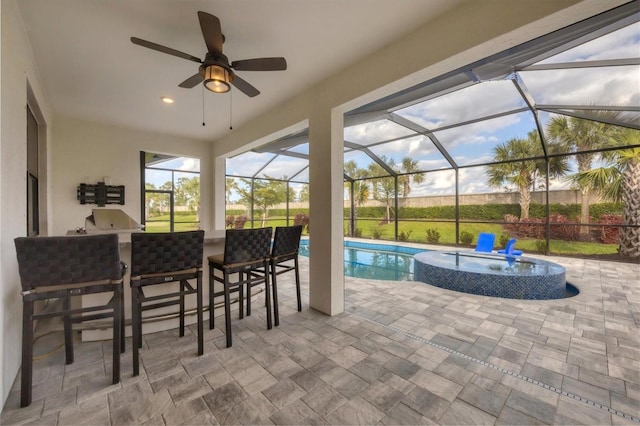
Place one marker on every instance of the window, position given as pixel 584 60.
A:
pixel 33 217
pixel 171 192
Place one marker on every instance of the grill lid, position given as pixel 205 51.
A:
pixel 109 219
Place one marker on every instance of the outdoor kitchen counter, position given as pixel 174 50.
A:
pixel 213 244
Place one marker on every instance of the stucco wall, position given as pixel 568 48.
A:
pixel 84 149
pixel 18 68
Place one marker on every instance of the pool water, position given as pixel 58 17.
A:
pixel 375 261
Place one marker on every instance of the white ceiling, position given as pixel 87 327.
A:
pixel 91 70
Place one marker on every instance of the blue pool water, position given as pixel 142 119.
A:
pixel 375 261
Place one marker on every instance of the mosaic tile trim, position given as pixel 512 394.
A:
pixel 497 279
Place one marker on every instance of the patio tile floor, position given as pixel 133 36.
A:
pixel 401 353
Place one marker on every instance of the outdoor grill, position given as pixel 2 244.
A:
pixel 109 220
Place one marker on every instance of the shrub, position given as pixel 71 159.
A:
pixel 503 240
pixel 489 212
pixel 541 246
pixel 563 232
pixel 302 219
pixel 433 236
pixel 404 236
pixel 239 222
pixel 610 234
pixel 358 233
pixel 466 238
pixel 531 227
pixel 377 233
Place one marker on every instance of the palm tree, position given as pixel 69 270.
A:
pixel 231 185
pixel 410 167
pixel 516 166
pixel 579 135
pixel 620 182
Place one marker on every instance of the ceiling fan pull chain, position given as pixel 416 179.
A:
pixel 230 111
pixel 203 105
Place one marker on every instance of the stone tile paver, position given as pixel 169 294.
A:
pixel 401 353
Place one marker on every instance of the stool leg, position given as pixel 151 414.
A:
pixel 297 272
pixel 182 288
pixel 27 354
pixel 135 330
pixel 68 331
pixel 241 298
pixel 122 323
pixel 276 310
pixel 117 330
pixel 267 296
pixel 227 311
pixel 249 279
pixel 199 314
pixel 211 297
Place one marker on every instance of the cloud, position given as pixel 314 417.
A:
pixel 283 166
pixel 247 164
pixel 602 86
pixel 376 131
pixel 190 164
pixel 622 43
pixel 472 102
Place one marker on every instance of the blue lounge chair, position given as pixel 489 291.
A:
pixel 509 248
pixel 485 242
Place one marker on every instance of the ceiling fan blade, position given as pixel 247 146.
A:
pixel 192 81
pixel 164 49
pixel 211 32
pixel 260 64
pixel 244 87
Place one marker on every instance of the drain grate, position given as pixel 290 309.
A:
pixel 505 371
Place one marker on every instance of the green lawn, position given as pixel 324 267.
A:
pixel 182 223
pixel 418 230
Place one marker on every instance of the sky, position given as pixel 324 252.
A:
pixel 474 143
pixel 159 177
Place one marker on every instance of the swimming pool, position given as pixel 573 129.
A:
pixel 375 261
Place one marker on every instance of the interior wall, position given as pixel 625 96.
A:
pixel 2 393
pixel 84 149
pixel 18 70
pixel 470 32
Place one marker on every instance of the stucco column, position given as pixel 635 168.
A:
pixel 219 193
pixel 326 272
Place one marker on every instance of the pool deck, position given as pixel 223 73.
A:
pixel 401 353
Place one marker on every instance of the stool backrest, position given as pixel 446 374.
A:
pixel 48 261
pixel 246 245
pixel 286 240
pixel 161 252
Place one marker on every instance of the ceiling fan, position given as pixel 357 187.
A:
pixel 215 70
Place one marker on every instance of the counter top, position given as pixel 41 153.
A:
pixel 124 236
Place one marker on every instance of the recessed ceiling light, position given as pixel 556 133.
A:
pixel 167 100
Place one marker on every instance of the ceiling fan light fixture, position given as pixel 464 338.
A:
pixel 217 79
